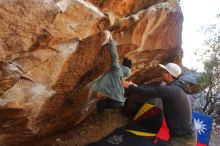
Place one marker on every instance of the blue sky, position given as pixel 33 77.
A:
pixel 197 13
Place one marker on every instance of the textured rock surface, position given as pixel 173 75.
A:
pixel 50 50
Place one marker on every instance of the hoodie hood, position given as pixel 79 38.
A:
pixel 182 85
pixel 126 71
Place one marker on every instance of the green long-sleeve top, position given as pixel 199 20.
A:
pixel 110 83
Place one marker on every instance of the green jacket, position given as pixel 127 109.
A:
pixel 110 83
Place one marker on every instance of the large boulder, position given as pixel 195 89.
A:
pixel 51 50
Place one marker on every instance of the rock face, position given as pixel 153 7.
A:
pixel 50 50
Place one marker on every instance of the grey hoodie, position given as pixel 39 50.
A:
pixel 110 83
pixel 176 106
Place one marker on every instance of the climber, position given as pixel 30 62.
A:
pixel 176 104
pixel 109 84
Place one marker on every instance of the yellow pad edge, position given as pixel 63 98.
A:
pixel 142 110
pixel 141 133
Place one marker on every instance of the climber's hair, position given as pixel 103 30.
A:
pixel 127 62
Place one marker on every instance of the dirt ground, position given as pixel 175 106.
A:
pixel 90 130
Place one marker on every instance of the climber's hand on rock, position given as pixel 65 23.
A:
pixel 108 37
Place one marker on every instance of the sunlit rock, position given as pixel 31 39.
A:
pixel 50 51
pixel 77 19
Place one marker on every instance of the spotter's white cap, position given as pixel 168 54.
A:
pixel 173 69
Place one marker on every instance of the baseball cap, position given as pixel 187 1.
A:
pixel 173 69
